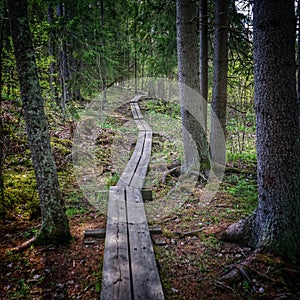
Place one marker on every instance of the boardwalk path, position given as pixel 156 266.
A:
pixel 129 268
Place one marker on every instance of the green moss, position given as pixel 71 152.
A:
pixel 20 194
pixel 61 147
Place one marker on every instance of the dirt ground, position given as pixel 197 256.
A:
pixel 193 263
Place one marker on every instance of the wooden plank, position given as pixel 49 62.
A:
pixel 136 98
pixel 140 125
pixel 138 110
pixel 142 168
pixel 128 173
pixel 116 283
pixel 155 229
pixel 100 233
pixel 145 277
pixel 134 112
pixel 95 233
pixel 129 267
pixel 146 125
pixel 147 195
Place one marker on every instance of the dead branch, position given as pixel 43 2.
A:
pixel 25 245
pixel 168 172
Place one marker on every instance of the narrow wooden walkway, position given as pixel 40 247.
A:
pixel 129 267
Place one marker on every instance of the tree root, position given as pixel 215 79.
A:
pixel 168 172
pixel 239 232
pixel 192 232
pixel 241 271
pixel 223 286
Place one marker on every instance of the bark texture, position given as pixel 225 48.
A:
pixel 219 98
pixel 194 137
pixel 203 55
pixel 276 221
pixel 51 53
pixel 299 62
pixel 55 225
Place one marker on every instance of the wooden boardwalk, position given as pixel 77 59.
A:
pixel 129 267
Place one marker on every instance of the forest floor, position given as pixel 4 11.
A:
pixel 193 261
pixel 192 266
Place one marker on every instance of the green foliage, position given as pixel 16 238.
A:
pixel 165 108
pixel 243 160
pixel 244 189
pixel 23 291
pixel 111 180
pixel 73 211
pixel 241 118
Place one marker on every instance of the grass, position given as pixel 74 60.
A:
pixel 73 211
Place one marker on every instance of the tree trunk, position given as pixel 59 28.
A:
pixel 2 154
pixel 55 225
pixel 63 61
pixel 103 59
pixel 219 98
pixel 51 54
pixel 276 221
pixel 203 56
pixel 194 137
pixel 299 61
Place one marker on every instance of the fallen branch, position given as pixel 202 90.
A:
pixel 25 245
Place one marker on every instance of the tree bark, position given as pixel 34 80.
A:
pixel 275 224
pixel 103 58
pixel 219 98
pixel 63 60
pixel 194 137
pixel 51 54
pixel 55 225
pixel 299 61
pixel 2 154
pixel 203 56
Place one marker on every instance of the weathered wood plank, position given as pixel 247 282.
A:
pixel 100 233
pixel 129 268
pixel 145 277
pixel 136 98
pixel 128 173
pixel 146 125
pixel 95 233
pixel 116 282
pixel 142 168
pixel 139 124
pixel 136 111
pixel 147 195
pixel 155 229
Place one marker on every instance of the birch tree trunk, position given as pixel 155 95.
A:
pixel 55 225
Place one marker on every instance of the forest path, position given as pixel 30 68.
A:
pixel 129 266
